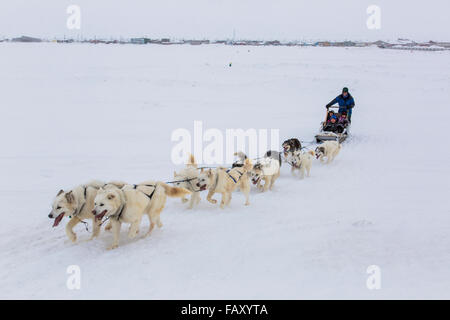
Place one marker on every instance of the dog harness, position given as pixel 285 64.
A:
pixel 146 185
pixel 81 209
pixel 121 211
pixel 232 178
pixel 122 207
pixel 82 206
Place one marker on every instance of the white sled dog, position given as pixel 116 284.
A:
pixel 130 203
pixel 266 169
pixel 191 179
pixel 302 161
pixel 77 204
pixel 225 181
pixel 328 149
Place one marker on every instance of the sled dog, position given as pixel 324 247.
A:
pixel 240 161
pixel 328 149
pixel 274 155
pixel 130 203
pixel 225 181
pixel 77 204
pixel 191 179
pixel 302 161
pixel 267 169
pixel 291 145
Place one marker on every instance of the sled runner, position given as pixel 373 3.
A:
pixel 337 131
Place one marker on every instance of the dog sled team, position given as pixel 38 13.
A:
pixel 117 203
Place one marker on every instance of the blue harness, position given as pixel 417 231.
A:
pixel 232 178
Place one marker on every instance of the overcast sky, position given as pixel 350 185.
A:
pixel 214 19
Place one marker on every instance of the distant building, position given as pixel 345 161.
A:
pixel 441 44
pixel 323 44
pixel 138 40
pixel 197 42
pixel 344 44
pixel 382 44
pixel 272 43
pixel 65 41
pixel 26 39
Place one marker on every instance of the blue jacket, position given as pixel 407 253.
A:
pixel 344 103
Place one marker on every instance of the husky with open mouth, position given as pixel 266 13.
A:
pixel 191 179
pixel 77 204
pixel 266 169
pixel 130 203
pixel 291 145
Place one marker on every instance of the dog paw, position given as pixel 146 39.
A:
pixel 73 237
pixel 112 247
pixel 184 200
pixel 247 203
pixel 214 201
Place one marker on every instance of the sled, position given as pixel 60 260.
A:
pixel 327 134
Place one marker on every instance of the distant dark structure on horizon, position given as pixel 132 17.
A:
pixel 399 44
pixel 26 39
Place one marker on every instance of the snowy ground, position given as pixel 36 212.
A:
pixel 70 113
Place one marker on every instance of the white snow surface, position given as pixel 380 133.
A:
pixel 72 113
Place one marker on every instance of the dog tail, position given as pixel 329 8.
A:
pixel 242 156
pixel 174 192
pixel 191 161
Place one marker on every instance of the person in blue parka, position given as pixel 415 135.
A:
pixel 346 103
